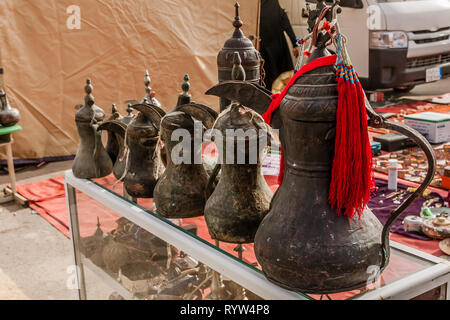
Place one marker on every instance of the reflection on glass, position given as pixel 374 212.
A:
pixel 148 268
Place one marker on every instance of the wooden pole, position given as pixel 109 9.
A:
pixel 258 18
pixel 1 69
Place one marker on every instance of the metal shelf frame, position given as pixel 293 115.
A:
pixel 251 278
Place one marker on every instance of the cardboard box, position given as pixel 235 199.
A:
pixel 433 125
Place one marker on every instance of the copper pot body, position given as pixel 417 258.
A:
pixel 303 244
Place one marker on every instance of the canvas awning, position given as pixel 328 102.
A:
pixel 47 58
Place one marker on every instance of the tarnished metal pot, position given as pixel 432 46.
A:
pixel 180 192
pixel 91 159
pixel 251 59
pixel 303 244
pixel 116 127
pixel 144 164
pixel 242 197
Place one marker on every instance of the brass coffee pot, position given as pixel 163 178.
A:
pixel 302 244
pixel 242 197
pixel 144 165
pixel 251 58
pixel 116 130
pixel 180 192
pixel 91 159
pixel 112 146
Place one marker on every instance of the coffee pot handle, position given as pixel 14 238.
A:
pixel 378 121
pixel 210 185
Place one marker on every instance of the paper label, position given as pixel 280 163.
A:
pixel 271 164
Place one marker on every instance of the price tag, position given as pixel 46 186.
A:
pixel 433 74
pixel 271 164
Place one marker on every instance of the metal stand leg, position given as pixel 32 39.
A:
pixel 71 201
pixel 11 172
pixel 11 194
pixel 447 297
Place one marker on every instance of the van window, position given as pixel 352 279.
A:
pixel 356 4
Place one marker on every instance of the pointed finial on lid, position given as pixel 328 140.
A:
pixel 99 232
pixel 129 109
pixel 88 87
pixel 186 85
pixel 238 71
pixel 89 98
pixel 147 81
pixel 184 97
pixel 147 78
pixel 149 93
pixel 114 112
pixel 237 23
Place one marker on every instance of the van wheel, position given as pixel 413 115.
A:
pixel 404 89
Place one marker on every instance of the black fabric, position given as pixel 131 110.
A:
pixel 274 49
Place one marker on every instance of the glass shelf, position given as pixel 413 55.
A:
pixel 408 275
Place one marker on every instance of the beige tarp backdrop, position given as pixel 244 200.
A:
pixel 46 62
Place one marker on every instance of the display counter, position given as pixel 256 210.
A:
pixel 138 254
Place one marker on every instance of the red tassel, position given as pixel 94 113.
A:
pixel 278 97
pixel 352 175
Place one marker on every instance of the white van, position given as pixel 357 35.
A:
pixel 392 43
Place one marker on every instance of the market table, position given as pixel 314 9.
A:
pixel 6 141
pixel 410 273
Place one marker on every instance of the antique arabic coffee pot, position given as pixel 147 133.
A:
pixel 8 116
pixel 303 244
pixel 242 197
pixel 112 146
pixel 251 59
pixel 241 185
pixel 180 192
pixel 116 127
pixel 91 159
pixel 144 165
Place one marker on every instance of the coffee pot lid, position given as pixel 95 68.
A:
pixel 238 42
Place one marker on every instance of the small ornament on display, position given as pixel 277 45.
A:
pixel 435 226
pixel 393 174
